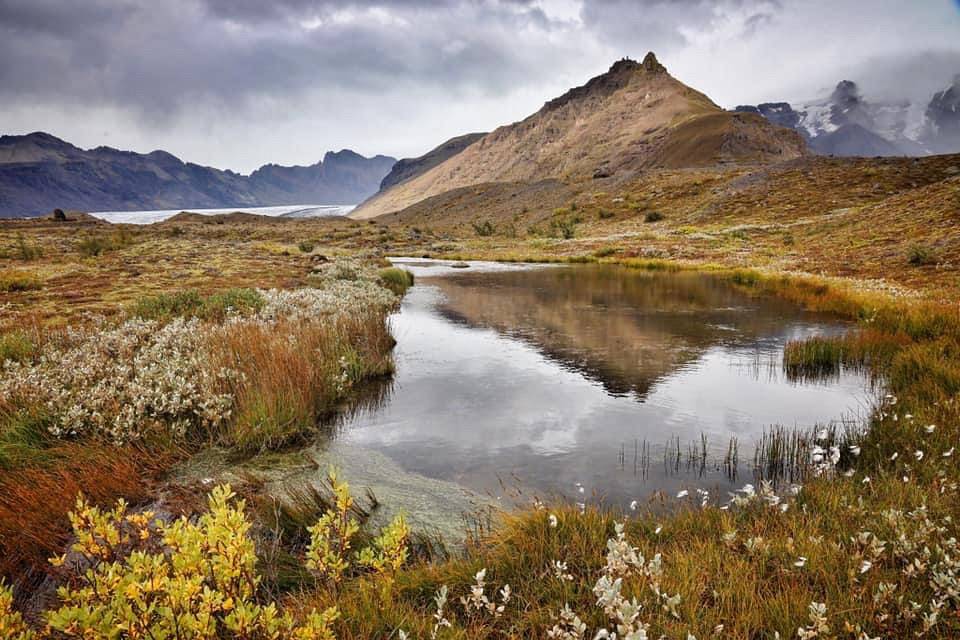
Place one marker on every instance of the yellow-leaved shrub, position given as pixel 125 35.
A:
pixel 330 540
pixel 12 626
pixel 184 580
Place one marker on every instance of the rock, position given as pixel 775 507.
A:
pixel 459 265
pixel 59 215
pixel 651 65
pixel 601 172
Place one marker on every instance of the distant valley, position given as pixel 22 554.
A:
pixel 40 172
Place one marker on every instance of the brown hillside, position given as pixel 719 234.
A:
pixel 635 116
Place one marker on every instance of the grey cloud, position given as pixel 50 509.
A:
pixel 358 72
pixel 158 57
pixel 916 76
pixel 661 24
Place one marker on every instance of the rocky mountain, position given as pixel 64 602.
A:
pixel 941 132
pixel 407 168
pixel 847 124
pixel 635 116
pixel 39 172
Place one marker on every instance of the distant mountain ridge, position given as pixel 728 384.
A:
pixel 40 172
pixel 634 117
pixel 848 124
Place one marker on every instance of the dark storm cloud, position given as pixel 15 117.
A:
pixel 158 56
pixel 297 77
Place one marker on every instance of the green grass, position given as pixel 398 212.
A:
pixel 23 437
pixel 823 356
pixel 396 279
pixel 191 304
pixel 16 346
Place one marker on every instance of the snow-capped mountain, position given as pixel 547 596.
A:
pixel 847 124
pixel 941 129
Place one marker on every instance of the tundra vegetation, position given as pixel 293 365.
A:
pixel 127 360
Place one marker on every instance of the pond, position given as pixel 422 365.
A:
pixel 590 382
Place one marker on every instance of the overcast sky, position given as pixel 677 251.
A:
pixel 239 83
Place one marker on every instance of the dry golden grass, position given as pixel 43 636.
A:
pixel 294 372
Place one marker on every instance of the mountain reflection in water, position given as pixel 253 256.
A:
pixel 549 378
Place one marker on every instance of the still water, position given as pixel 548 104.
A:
pixel 575 381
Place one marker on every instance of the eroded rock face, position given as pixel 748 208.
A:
pixel 407 168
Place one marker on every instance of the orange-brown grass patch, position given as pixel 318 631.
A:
pixel 35 499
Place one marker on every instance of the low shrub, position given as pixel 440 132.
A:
pixel 920 255
pixel 26 251
pixel 305 246
pixel 183 579
pixel 604 252
pixel 484 228
pixel 564 227
pixel 98 244
pixel 13 281
pixel 653 216
pixel 605 214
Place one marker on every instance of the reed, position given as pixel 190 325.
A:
pixel 869 350
pixel 293 372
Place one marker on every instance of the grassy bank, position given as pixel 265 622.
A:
pixel 104 408
pixel 866 548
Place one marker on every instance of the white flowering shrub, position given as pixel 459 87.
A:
pixel 121 381
pixel 334 298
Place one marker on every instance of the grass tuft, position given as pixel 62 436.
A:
pixel 396 279
pixel 16 346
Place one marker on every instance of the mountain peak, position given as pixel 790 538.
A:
pixel 846 93
pixel 625 65
pixel 651 64
pixel 37 137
